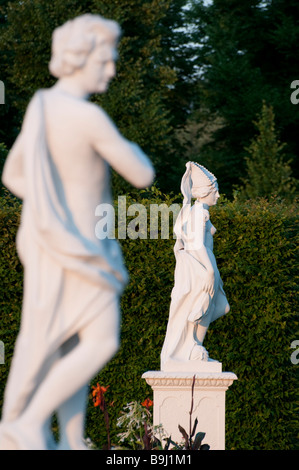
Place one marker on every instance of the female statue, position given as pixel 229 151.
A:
pixel 60 167
pixel 198 297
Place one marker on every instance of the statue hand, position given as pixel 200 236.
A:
pixel 209 283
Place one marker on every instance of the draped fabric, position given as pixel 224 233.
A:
pixel 68 278
pixel 189 303
pixel 52 226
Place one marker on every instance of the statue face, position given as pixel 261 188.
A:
pixel 212 198
pixel 99 68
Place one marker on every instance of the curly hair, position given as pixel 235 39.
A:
pixel 75 40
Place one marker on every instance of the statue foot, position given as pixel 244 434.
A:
pixel 199 353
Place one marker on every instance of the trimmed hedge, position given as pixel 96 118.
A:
pixel 255 247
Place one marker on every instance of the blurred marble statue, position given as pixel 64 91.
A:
pixel 197 297
pixel 60 167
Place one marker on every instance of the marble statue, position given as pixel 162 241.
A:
pixel 60 167
pixel 197 298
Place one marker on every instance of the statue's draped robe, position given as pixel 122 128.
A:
pixel 68 278
pixel 189 303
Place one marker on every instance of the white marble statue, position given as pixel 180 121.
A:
pixel 197 297
pixel 60 167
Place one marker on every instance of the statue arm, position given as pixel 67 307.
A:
pixel 13 172
pixel 208 282
pixel 125 157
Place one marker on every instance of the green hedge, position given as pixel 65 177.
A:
pixel 255 246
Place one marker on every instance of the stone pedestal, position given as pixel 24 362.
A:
pixel 172 401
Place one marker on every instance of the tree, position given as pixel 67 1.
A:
pixel 136 97
pixel 139 99
pixel 267 171
pixel 246 52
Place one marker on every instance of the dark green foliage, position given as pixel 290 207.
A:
pixel 11 279
pixel 139 99
pixel 267 171
pixel 184 65
pixel 246 52
pixel 3 154
pixel 136 96
pixel 255 246
pixel 256 251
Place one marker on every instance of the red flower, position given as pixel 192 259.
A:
pixel 98 396
pixel 147 403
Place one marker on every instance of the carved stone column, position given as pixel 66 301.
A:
pixel 172 403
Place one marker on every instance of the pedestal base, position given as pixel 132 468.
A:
pixel 192 366
pixel 172 403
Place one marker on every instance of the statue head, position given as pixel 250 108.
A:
pixel 75 40
pixel 198 182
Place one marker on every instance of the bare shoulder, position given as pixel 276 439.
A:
pixel 80 107
pixel 199 210
pixel 100 125
pixel 95 112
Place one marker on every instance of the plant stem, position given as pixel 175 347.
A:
pixel 191 411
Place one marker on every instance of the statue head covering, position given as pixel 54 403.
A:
pixel 197 178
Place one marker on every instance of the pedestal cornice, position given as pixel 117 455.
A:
pixel 161 379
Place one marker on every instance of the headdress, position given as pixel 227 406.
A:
pixel 196 177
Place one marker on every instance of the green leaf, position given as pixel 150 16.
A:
pixel 198 440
